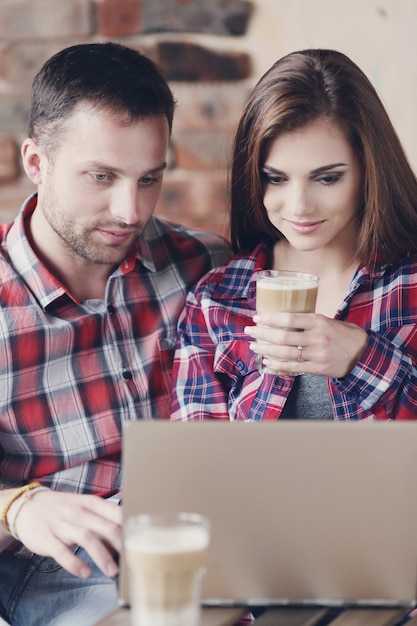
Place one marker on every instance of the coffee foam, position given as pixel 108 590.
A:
pixel 279 284
pixel 169 540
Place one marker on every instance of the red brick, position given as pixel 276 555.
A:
pixel 195 189
pixel 9 159
pixel 12 197
pixel 186 61
pixel 195 199
pixel 176 197
pixel 48 19
pixel 218 17
pixel 20 61
pixel 201 149
pixel 209 106
pixel 116 18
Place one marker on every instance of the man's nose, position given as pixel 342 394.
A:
pixel 125 204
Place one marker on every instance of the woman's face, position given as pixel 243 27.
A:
pixel 313 186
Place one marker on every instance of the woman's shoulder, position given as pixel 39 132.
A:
pixel 407 265
pixel 228 277
pixel 232 279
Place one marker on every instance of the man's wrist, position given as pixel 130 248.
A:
pixel 17 506
pixel 19 493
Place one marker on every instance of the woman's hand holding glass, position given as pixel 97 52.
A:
pixel 326 347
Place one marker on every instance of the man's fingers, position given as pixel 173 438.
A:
pixel 64 556
pixel 67 520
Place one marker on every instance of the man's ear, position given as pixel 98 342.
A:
pixel 32 157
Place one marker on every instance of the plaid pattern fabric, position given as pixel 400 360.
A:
pixel 71 373
pixel 215 371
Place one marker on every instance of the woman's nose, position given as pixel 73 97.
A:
pixel 300 200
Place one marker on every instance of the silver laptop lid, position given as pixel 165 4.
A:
pixel 300 511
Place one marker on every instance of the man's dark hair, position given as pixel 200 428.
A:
pixel 106 76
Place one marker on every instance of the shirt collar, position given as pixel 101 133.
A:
pixel 143 251
pixel 43 284
pixel 237 281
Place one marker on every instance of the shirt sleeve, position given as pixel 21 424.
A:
pixel 384 380
pixel 198 393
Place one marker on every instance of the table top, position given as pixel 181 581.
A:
pixel 288 616
pixel 209 617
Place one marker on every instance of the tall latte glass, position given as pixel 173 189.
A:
pixel 284 291
pixel 166 557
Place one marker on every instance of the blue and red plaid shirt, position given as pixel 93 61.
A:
pixel 71 373
pixel 215 372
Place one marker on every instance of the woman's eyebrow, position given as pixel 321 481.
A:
pixel 317 170
pixel 324 168
pixel 268 169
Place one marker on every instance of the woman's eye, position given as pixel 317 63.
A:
pixel 272 179
pixel 330 179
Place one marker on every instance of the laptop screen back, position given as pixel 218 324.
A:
pixel 299 511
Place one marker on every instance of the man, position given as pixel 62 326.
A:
pixel 91 286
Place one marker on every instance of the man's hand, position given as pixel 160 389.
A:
pixel 51 522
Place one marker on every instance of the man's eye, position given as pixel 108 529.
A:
pixel 148 180
pixel 100 177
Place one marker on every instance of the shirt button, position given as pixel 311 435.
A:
pixel 110 309
pixel 127 375
pixel 241 366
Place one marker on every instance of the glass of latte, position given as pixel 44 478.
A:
pixel 284 291
pixel 166 558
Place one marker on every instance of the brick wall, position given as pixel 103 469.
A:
pixel 199 44
pixel 212 51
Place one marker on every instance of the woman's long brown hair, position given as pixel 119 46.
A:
pixel 299 88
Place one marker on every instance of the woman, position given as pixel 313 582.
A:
pixel 320 184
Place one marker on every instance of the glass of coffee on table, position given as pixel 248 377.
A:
pixel 166 559
pixel 284 291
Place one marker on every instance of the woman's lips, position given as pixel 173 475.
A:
pixel 305 228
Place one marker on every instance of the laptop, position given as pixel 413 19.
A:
pixel 300 511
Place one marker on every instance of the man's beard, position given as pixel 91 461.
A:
pixel 81 241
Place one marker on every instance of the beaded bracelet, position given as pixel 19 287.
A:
pixel 20 503
pixel 15 496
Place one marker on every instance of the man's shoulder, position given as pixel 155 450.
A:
pixel 160 228
pixel 4 229
pixel 183 242
pixel 5 266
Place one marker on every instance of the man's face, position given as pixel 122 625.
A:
pixel 98 191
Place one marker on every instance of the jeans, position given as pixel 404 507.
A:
pixel 36 591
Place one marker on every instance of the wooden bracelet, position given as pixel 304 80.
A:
pixel 13 498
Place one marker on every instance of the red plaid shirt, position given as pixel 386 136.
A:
pixel 72 373
pixel 216 374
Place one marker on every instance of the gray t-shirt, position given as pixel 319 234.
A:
pixel 309 399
